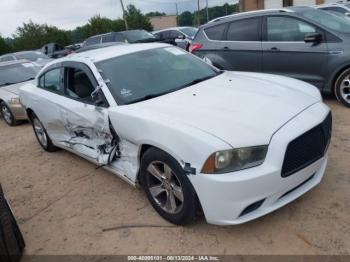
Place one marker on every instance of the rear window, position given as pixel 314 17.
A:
pixel 215 32
pixel 244 30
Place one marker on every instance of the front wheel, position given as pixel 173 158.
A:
pixel 167 187
pixel 41 135
pixel 342 88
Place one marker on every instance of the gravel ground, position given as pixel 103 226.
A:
pixel 65 206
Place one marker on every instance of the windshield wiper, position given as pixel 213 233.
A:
pixel 196 81
pixel 147 97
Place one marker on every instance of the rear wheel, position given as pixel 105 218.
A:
pixel 167 187
pixel 342 88
pixel 7 115
pixel 41 135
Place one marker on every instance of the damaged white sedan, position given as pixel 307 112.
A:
pixel 231 144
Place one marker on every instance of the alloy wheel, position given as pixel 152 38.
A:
pixel 7 115
pixel 164 187
pixel 40 132
pixel 345 89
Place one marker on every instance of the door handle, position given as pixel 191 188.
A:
pixel 226 48
pixel 275 49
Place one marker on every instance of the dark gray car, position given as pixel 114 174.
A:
pixel 299 42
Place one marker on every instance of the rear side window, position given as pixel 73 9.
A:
pixel 244 30
pixel 51 80
pixel 93 40
pixel 108 38
pixel 215 32
pixel 119 38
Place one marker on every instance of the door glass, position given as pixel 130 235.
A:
pixel 244 30
pixel 215 32
pixel 79 85
pixel 108 38
pixel 286 29
pixel 175 34
pixel 51 80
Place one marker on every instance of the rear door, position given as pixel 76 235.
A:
pixel 286 53
pixel 85 125
pixel 242 47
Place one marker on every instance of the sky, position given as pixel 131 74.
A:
pixel 68 14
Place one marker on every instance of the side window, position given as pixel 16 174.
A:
pixel 244 30
pixel 93 40
pixel 215 32
pixel 286 29
pixel 157 36
pixel 108 38
pixel 51 80
pixel 78 85
pixel 175 34
pixel 119 38
pixel 165 35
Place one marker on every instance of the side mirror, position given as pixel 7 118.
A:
pixel 313 38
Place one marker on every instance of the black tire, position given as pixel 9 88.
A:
pixel 11 121
pixel 189 208
pixel 48 146
pixel 338 87
pixel 11 240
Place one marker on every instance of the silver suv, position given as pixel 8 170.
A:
pixel 299 42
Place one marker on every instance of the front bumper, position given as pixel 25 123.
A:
pixel 239 197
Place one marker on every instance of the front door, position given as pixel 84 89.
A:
pixel 286 53
pixel 86 126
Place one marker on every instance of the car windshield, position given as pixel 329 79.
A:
pixel 190 31
pixel 328 20
pixel 32 56
pixel 13 74
pixel 147 74
pixel 138 36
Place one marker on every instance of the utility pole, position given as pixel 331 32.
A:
pixel 207 12
pixel 198 14
pixel 177 14
pixel 124 16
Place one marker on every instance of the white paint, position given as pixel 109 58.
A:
pixel 271 4
pixel 304 2
pixel 232 110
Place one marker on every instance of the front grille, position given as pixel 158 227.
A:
pixel 307 148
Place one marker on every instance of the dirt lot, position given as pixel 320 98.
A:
pixel 65 206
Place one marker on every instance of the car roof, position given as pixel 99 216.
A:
pixel 119 32
pixel 98 46
pixel 105 53
pixel 14 62
pixel 172 28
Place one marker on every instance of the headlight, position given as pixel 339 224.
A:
pixel 234 160
pixel 15 101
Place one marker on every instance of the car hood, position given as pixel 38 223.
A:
pixel 242 109
pixel 14 89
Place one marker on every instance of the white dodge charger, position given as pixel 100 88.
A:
pixel 232 145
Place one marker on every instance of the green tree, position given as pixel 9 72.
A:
pixel 153 14
pixel 4 47
pixel 186 19
pixel 33 36
pixel 136 20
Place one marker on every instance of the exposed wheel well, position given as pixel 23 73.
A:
pixel 30 113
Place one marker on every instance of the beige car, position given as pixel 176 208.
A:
pixel 13 75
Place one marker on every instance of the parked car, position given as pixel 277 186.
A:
pixel 237 145
pixel 299 42
pixel 12 76
pixel 54 50
pixel 11 240
pixel 340 8
pixel 33 56
pixel 74 47
pixel 178 36
pixel 131 37
pixel 97 46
